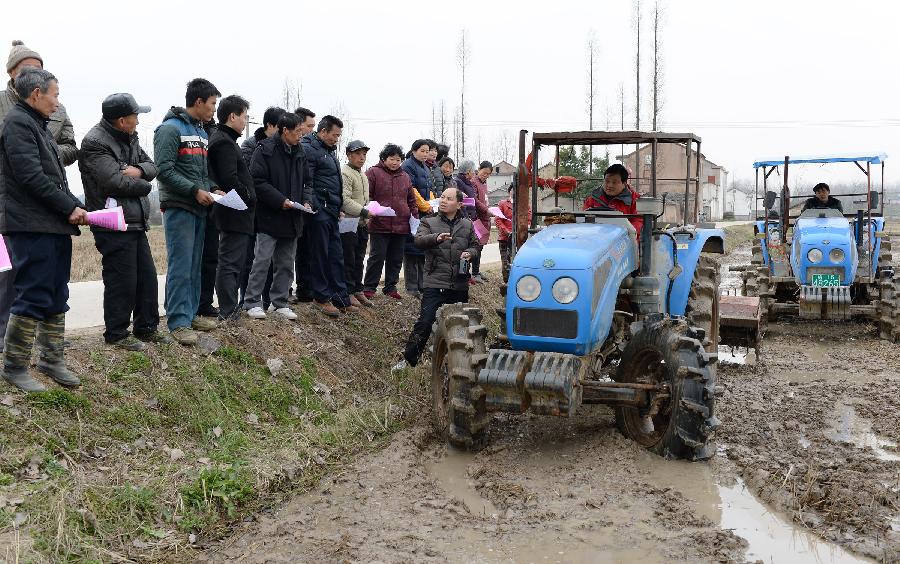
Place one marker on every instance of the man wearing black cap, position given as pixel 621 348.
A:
pixel 115 171
pixel 355 241
pixel 822 200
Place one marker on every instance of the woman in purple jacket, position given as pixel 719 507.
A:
pixel 390 187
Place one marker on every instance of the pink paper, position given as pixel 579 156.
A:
pixel 468 201
pixel 377 209
pixel 479 230
pixel 495 211
pixel 5 263
pixel 110 218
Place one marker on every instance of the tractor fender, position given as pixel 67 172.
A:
pixel 759 227
pixel 690 245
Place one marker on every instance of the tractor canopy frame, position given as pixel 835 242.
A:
pixel 526 180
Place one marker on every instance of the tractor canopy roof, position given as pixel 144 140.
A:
pixel 873 158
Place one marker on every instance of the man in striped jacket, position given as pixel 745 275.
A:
pixel 180 149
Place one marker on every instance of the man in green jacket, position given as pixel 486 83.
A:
pixel 180 147
pixel 20 57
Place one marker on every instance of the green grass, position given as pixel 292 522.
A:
pixel 107 486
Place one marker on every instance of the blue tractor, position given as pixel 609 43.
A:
pixel 822 263
pixel 595 313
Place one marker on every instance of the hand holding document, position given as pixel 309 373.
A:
pixel 377 209
pixel 109 218
pixel 230 200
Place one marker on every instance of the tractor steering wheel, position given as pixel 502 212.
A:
pixel 601 207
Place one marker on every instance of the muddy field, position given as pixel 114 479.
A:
pixel 808 470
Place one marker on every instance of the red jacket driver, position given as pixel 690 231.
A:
pixel 616 194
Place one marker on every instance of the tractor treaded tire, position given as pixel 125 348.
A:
pixel 459 342
pixel 688 370
pixel 756 283
pixel 888 314
pixel 703 301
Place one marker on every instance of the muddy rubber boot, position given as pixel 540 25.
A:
pixel 17 354
pixel 50 341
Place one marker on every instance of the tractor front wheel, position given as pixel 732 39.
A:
pixel 678 420
pixel 458 406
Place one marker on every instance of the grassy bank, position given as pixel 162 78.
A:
pixel 161 452
pixel 86 263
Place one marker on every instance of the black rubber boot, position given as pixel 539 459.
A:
pixel 17 353
pixel 51 344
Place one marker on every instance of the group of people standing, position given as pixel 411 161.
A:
pixel 307 219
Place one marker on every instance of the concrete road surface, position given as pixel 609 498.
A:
pixel 86 298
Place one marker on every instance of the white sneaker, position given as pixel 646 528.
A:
pixel 402 365
pixel 286 313
pixel 256 313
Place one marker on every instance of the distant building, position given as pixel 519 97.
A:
pixel 499 182
pixel 671 164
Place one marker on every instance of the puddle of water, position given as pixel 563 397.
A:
pixel 450 472
pixel 771 537
pixel 847 427
pixel 736 355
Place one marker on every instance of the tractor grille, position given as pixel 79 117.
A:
pixel 559 324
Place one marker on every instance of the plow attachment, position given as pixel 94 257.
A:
pixel 740 321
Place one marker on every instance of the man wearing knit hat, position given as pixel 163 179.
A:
pixel 20 56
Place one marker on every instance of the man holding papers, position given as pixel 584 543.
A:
pixel 230 172
pixel 278 168
pixel 38 216
pixel 115 171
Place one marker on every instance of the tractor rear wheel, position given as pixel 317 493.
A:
pixel 458 405
pixel 888 313
pixel 703 302
pixel 679 421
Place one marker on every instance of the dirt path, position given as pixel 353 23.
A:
pixel 807 469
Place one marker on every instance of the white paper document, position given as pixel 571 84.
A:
pixel 348 225
pixel 302 207
pixel 414 224
pixel 230 200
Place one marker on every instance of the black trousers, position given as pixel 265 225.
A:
pixel 385 252
pixel 245 274
pixel 129 284
pixel 354 256
pixel 232 262
pixel 432 300
pixel 209 266
pixel 41 263
pixel 476 261
pixel 325 263
pixel 505 246
pixel 301 264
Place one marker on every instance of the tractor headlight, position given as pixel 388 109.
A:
pixel 836 255
pixel 814 255
pixel 528 288
pixel 565 290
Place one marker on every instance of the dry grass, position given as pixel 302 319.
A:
pixel 86 258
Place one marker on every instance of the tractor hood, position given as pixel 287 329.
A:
pixel 812 231
pixel 573 246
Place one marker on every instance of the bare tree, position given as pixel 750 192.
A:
pixel 658 14
pixel 622 109
pixel 502 149
pixel 433 123
pixel 290 94
pixel 593 57
pixel 462 57
pixel 442 130
pixel 637 66
pixel 456 135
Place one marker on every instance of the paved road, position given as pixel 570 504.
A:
pixel 86 298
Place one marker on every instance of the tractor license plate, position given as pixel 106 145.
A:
pixel 826 280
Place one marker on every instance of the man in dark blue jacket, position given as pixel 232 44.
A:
pixel 326 254
pixel 38 216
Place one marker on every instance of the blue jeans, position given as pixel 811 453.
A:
pixel 185 233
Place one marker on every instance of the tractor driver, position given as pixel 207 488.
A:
pixel 615 194
pixel 822 200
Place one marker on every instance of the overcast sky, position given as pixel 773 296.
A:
pixel 753 79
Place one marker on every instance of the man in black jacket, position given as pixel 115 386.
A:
pixel 822 200
pixel 278 169
pixel 230 172
pixel 326 253
pixel 38 216
pixel 446 238
pixel 115 171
